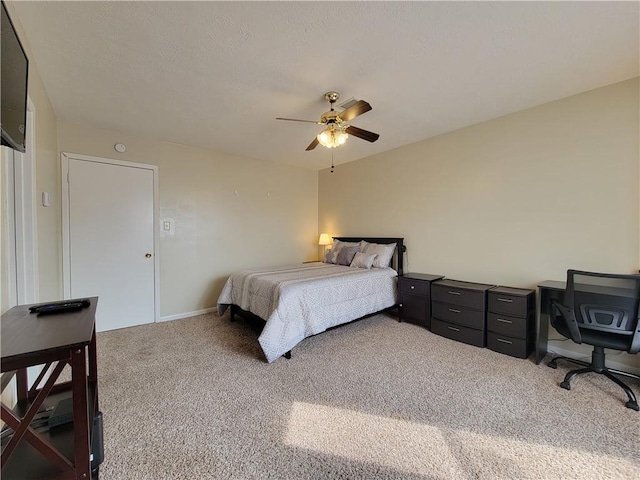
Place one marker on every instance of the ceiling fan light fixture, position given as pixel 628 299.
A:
pixel 336 123
pixel 332 137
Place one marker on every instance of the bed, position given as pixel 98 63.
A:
pixel 298 301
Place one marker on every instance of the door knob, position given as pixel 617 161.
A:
pixel 148 255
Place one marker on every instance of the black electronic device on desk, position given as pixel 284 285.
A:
pixel 60 307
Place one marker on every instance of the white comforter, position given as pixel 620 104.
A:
pixel 303 300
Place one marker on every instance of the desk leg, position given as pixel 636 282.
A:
pixel 22 384
pixel 543 315
pixel 82 443
pixel 542 324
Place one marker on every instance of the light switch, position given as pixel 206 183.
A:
pixel 46 199
pixel 167 227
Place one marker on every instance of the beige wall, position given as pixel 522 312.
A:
pixel 512 201
pixel 47 180
pixel 230 212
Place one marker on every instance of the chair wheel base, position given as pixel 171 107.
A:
pixel 565 385
pixel 632 405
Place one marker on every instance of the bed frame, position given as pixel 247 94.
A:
pixel 397 263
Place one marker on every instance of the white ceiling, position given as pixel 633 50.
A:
pixel 216 74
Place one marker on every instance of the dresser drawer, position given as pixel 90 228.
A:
pixel 459 315
pixel 464 294
pixel 511 301
pixel 458 332
pixel 515 347
pixel 507 325
pixel 413 286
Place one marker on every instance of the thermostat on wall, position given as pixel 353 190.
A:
pixel 120 147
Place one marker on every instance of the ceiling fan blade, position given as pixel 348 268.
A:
pixel 363 134
pixel 354 110
pixel 312 145
pixel 297 120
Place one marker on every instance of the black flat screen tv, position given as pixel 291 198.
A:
pixel 14 71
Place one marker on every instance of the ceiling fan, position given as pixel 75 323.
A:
pixel 338 130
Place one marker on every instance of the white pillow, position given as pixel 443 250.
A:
pixel 362 260
pixel 383 252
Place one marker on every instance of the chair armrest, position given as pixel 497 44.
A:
pixel 569 318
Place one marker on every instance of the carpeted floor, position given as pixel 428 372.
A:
pixel 194 399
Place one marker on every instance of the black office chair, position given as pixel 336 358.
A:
pixel 599 309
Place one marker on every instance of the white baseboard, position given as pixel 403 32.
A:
pixel 610 358
pixel 188 314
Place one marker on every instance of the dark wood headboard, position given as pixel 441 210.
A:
pixel 400 247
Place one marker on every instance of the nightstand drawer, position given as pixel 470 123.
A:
pixel 515 347
pixel 465 294
pixel 413 286
pixel 511 301
pixel 458 333
pixel 507 325
pixel 459 315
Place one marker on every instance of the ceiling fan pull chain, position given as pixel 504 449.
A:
pixel 331 161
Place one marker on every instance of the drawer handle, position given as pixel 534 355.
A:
pixel 454 310
pixel 412 287
pixel 508 300
pixel 400 305
pixel 454 329
pixel 453 293
pixel 504 341
pixel 503 320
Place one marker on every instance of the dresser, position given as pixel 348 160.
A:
pixel 459 310
pixel 510 321
pixel 414 291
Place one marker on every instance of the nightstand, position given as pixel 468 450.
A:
pixel 414 291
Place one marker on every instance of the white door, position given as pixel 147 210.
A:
pixel 111 240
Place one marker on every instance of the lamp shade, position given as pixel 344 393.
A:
pixel 324 239
pixel 332 137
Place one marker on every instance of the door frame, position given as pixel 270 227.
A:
pixel 26 206
pixel 19 192
pixel 22 225
pixel 66 253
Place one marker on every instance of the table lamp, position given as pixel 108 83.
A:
pixel 325 240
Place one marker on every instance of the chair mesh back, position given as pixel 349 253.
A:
pixel 604 302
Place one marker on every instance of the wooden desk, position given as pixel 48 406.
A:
pixel 546 291
pixel 52 340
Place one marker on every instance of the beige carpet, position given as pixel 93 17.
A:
pixel 194 399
